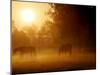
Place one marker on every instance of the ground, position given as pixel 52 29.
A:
pixel 50 60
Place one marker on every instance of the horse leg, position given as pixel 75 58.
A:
pixel 70 49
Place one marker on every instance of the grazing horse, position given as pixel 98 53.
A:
pixel 65 48
pixel 24 50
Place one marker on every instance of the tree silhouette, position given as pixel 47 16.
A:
pixel 74 26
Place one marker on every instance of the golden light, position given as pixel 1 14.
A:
pixel 28 16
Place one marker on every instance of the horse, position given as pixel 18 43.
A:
pixel 24 50
pixel 63 49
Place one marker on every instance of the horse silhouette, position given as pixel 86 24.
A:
pixel 65 48
pixel 24 50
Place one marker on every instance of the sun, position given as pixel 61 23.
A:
pixel 30 15
pixel 27 16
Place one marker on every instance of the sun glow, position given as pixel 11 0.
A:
pixel 27 16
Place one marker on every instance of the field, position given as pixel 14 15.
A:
pixel 51 61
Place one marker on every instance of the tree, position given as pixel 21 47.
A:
pixel 64 17
pixel 19 38
pixel 74 26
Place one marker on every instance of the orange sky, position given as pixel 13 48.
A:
pixel 38 9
